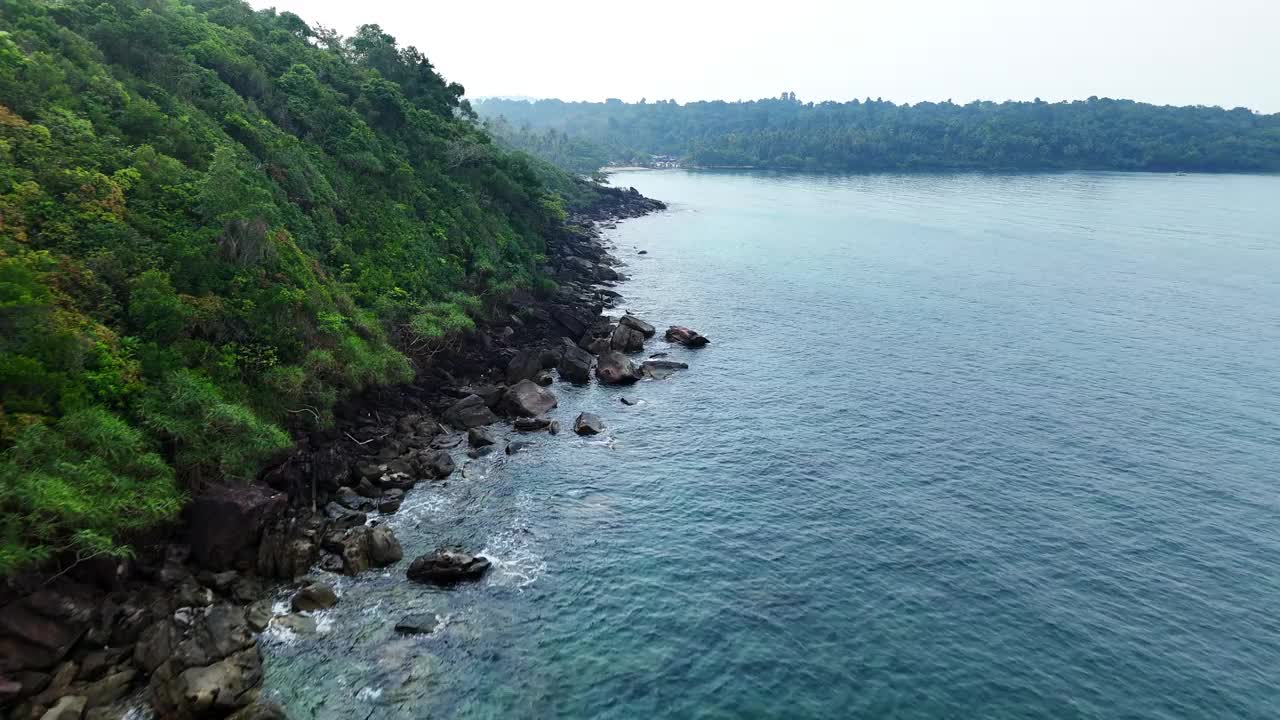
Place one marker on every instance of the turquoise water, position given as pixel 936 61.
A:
pixel 963 446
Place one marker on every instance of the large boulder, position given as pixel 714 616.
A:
pixel 588 424
pixel 211 669
pixel 384 548
pixel 447 566
pixel 626 339
pixel 527 399
pixel 289 551
pixel 471 411
pixel 68 707
pixel 614 368
pixel 575 363
pixel 525 365
pixel 636 323
pixel 38 630
pixel 226 522
pixel 685 336
pixel 436 464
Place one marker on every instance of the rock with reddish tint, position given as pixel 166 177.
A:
pixel 614 368
pixel 685 336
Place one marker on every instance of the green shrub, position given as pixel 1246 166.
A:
pixel 81 484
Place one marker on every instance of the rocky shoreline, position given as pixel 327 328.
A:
pixel 176 627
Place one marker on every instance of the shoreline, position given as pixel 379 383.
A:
pixel 176 627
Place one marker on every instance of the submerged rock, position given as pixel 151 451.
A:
pixel 417 624
pixel 531 424
pixel 614 368
pixel 685 336
pixel 628 400
pixel 517 446
pixel 447 566
pixel 659 369
pixel 588 424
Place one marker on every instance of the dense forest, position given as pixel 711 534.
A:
pixel 215 223
pixel 869 135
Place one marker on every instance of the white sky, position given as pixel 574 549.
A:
pixel 1182 52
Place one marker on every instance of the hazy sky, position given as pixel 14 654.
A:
pixel 1211 52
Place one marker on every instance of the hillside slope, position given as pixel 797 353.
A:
pixel 214 223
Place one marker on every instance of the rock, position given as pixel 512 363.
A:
pixel 491 394
pixel 614 368
pixel 38 630
pixel 354 550
pixel 628 400
pixel 155 645
pixel 659 369
pixel 397 481
pixel 626 339
pixel 417 624
pixel 554 427
pixel 366 489
pixel 70 707
pixel 575 363
pixel 438 464
pixel 289 553
pixel 447 566
pixel 258 615
pixel 478 437
pixel 525 365
pixel 476 453
pixel 225 523
pixel 192 594
pixel 391 501
pixel 531 424
pixel 636 323
pixel 543 379
pixel 109 689
pixel 658 355
pixel 445 442
pixel 588 424
pixel 597 345
pixel 214 689
pixel 527 399
pixel 341 516
pixel 10 690
pixel 573 320
pixel 296 623
pixel 316 596
pixel 643 252
pixel 352 500
pixel 384 548
pixel 246 589
pixel 685 336
pixel 516 446
pixel 549 358
pixel 471 411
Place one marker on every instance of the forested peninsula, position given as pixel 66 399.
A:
pixel 876 135
pixel 215 224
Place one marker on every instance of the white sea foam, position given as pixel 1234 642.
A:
pixel 515 559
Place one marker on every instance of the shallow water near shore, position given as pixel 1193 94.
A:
pixel 993 446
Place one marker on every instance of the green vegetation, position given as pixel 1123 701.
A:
pixel 214 223
pixel 871 135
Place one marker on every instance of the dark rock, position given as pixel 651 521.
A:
pixel 588 424
pixel 109 689
pixel 316 596
pixel 491 394
pixel 471 411
pixel 478 437
pixel 685 336
pixel 289 552
pixel 391 501
pixel 659 355
pixel 226 522
pixel 528 400
pixel 598 345
pixel 445 442
pixel 246 589
pixel 549 358
pixel 643 252
pixel 352 500
pixel 215 689
pixel 575 363
pixel 614 368
pixel 367 490
pixel 533 424
pixel 554 427
pixel 192 594
pixel 543 379
pixel 397 481
pixel 343 516
pixel 659 369
pixel 525 365
pixel 636 323
pixel 447 566
pixel 628 400
pixel 573 320
pixel 259 710
pixel 155 645
pixel 38 630
pixel 626 339
pixel 517 446
pixel 417 624
pixel 479 452
pixel 436 464
pixel 258 615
